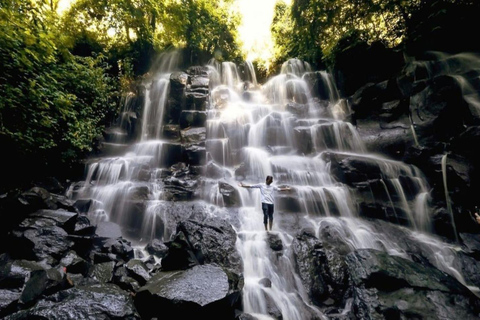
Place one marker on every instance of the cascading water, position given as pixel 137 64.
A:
pixel 463 67
pixel 268 137
pixel 112 182
pixel 275 129
pixel 250 75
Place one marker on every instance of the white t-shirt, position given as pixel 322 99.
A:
pixel 267 192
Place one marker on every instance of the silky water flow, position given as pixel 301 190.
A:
pixel 253 131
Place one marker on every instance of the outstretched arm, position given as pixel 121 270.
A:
pixel 249 186
pixel 287 188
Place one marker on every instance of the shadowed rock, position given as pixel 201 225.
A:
pixel 101 301
pixel 208 241
pixel 392 287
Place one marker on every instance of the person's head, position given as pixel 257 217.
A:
pixel 269 180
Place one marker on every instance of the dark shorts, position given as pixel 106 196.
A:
pixel 267 212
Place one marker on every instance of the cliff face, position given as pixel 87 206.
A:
pixel 427 113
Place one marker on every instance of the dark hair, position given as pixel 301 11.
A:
pixel 269 177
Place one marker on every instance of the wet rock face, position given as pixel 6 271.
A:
pixel 376 283
pixel 67 270
pixel 157 248
pixel 58 246
pixel 200 291
pixel 392 286
pixel 380 185
pixel 230 195
pixel 209 241
pixel 209 282
pixel 307 249
pixel 425 113
pixel 380 284
pixel 95 301
pixel 16 205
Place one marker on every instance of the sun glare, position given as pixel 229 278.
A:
pixel 63 5
pixel 255 29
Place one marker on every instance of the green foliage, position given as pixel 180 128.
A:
pixel 318 25
pixel 282 31
pixel 61 76
pixel 352 38
pixel 202 25
pixel 138 29
pixel 51 103
pixel 89 100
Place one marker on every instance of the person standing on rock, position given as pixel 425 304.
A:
pixel 267 192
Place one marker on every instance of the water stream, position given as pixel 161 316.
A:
pixel 447 196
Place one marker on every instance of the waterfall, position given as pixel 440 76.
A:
pixel 286 135
pixel 280 129
pixel 112 182
pixel 296 67
pixel 156 98
pixel 470 94
pixel 250 73
pixel 415 139
pixel 328 83
pixel 230 76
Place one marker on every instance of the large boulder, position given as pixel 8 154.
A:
pixel 204 291
pixel 202 242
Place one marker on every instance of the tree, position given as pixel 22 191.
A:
pixel 202 26
pixel 282 34
pixel 318 26
pixel 52 104
pixel 139 28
